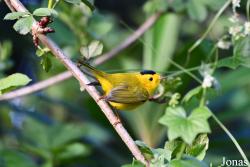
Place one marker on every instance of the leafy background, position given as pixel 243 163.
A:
pixel 61 126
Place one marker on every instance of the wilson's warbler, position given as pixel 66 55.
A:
pixel 125 91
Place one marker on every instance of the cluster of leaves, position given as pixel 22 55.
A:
pixel 169 154
pixel 50 144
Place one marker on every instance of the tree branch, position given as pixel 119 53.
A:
pixel 99 60
pixel 58 53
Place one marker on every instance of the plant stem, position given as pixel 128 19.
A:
pixel 247 9
pixel 50 2
pixel 54 5
pixel 203 98
pixel 231 137
pixel 216 17
pixel 182 149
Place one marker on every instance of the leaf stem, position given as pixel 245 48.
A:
pixel 198 42
pixel 247 9
pixel 182 149
pixel 50 2
pixel 203 98
pixel 231 137
pixel 54 5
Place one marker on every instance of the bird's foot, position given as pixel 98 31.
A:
pixel 101 98
pixel 118 121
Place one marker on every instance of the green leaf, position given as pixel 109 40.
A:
pixel 86 2
pixel 161 156
pixel 135 163
pixel 173 146
pixel 242 51
pixel 179 125
pixel 46 62
pixel 199 147
pixel 178 5
pixel 5 50
pixel 197 10
pixel 15 15
pixel 192 93
pixel 155 6
pixel 92 50
pixel 146 150
pixel 45 12
pixel 12 158
pixel 73 1
pixel 187 162
pixel 229 62
pixel 89 4
pixel 24 25
pixel 72 151
pixel 39 52
pixel 13 81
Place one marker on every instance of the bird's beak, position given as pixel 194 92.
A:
pixel 163 78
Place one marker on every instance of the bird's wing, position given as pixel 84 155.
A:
pixel 127 95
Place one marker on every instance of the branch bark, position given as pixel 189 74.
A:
pixel 99 60
pixel 91 90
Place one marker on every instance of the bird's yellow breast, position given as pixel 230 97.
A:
pixel 122 106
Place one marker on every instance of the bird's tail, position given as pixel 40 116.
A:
pixel 91 69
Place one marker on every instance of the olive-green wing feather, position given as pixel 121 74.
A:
pixel 127 95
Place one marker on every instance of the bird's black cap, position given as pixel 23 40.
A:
pixel 147 72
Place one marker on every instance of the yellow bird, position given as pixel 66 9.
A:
pixel 125 91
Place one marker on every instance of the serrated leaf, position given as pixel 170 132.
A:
pixel 179 125
pixel 13 81
pixel 187 162
pixel 24 25
pixel 242 51
pixel 196 10
pixel 199 147
pixel 92 50
pixel 144 148
pixel 161 156
pixel 15 15
pixel 173 146
pixel 45 12
pixel 229 62
pixel 192 93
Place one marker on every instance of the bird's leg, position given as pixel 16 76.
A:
pixel 103 97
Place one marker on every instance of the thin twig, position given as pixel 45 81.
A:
pixel 66 75
pixel 132 38
pixel 211 25
pixel 90 89
pixel 36 87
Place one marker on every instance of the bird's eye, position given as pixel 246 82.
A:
pixel 151 79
